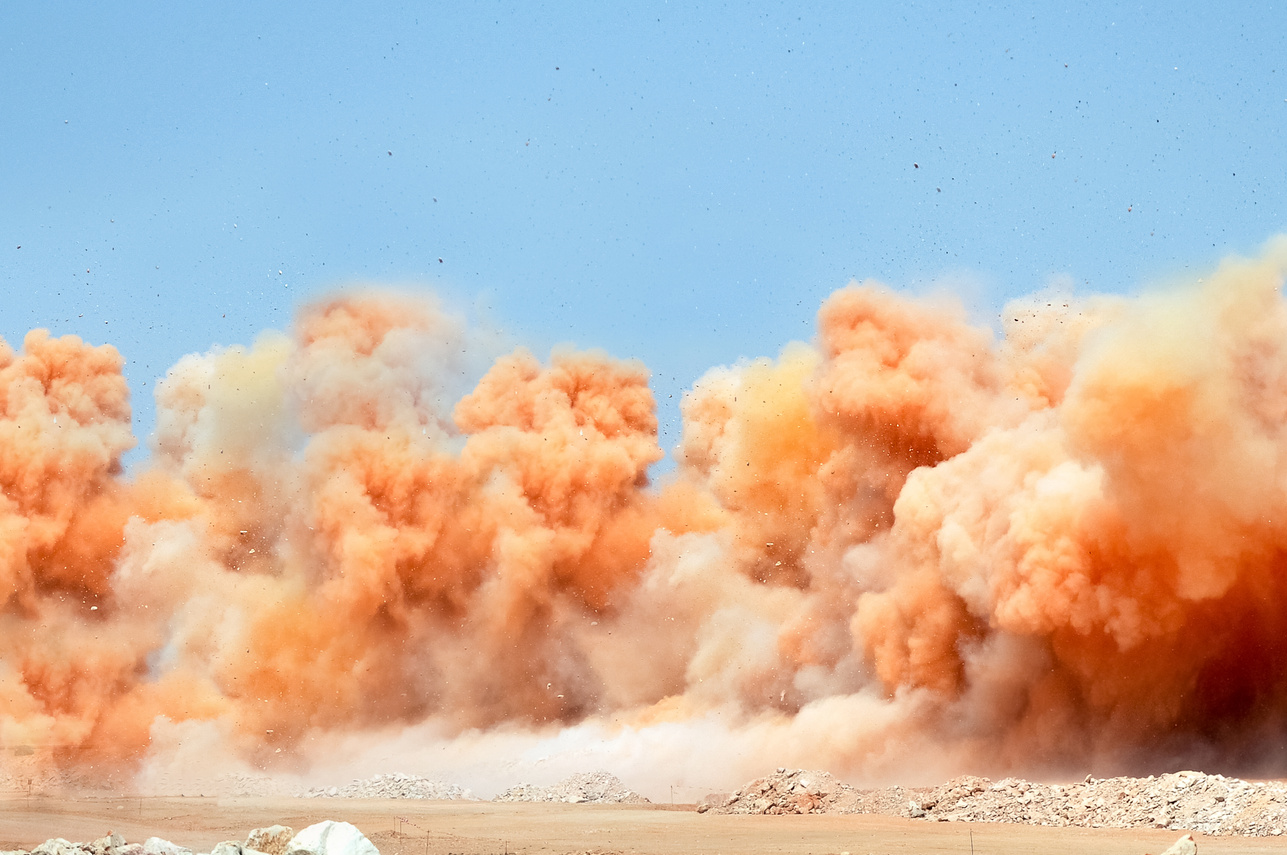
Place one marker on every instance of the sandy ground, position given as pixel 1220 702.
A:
pixel 485 828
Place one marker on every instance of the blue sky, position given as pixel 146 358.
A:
pixel 678 183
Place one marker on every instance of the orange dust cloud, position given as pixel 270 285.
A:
pixel 906 542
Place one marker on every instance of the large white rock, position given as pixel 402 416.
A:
pixel 57 846
pixel 158 846
pixel 331 838
pixel 106 845
pixel 1186 845
pixel 232 847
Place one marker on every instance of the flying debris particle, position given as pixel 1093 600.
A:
pixel 1052 155
pixel 390 154
pixel 916 166
pixel 440 261
pixel 1128 208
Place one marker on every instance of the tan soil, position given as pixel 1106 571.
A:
pixel 487 828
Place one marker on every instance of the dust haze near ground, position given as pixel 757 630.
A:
pixel 904 550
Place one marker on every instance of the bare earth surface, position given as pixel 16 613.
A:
pixel 404 827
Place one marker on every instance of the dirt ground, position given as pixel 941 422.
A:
pixel 409 827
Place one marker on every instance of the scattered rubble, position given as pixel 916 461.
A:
pixel 1193 801
pixel 323 838
pixel 596 787
pixel 395 786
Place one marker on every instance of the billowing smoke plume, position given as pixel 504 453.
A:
pixel 905 544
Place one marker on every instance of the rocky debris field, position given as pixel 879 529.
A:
pixel 323 838
pixel 395 786
pixel 595 787
pixel 1212 804
pixel 587 787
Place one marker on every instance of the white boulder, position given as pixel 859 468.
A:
pixel 232 847
pixel 331 838
pixel 57 846
pixel 1186 845
pixel 158 846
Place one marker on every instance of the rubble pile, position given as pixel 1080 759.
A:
pixel 1211 804
pixel 801 791
pixel 323 838
pixel 395 786
pixel 596 787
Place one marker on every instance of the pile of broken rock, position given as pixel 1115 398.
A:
pixel 1212 804
pixel 396 786
pixel 323 838
pixel 587 787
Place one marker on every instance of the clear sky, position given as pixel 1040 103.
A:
pixel 678 183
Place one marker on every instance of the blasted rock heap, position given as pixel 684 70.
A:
pixel 395 786
pixel 596 787
pixel 1211 804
